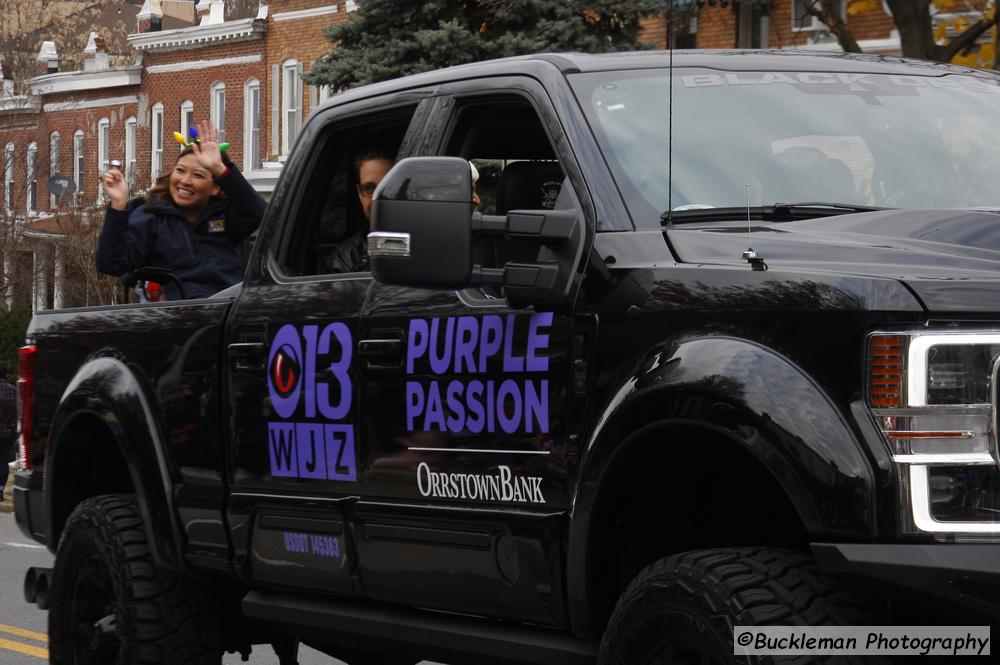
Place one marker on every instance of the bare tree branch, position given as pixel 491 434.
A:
pixel 966 39
pixel 828 11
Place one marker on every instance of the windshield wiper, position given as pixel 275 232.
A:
pixel 778 212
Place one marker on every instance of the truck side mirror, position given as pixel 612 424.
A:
pixel 421 233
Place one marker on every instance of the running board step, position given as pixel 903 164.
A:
pixel 450 638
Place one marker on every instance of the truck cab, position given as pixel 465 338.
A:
pixel 671 348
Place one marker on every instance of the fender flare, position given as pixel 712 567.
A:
pixel 819 461
pixel 109 390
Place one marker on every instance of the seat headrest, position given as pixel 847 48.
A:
pixel 528 186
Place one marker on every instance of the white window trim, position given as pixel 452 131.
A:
pixel 203 64
pixel 250 156
pixel 325 92
pixel 217 110
pixel 31 178
pixel 8 178
pixel 187 106
pixel 304 13
pixel 78 156
pixel 131 136
pixel 103 153
pixel 55 147
pixel 156 144
pixel 287 109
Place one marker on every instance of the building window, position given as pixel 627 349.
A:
pixel 53 164
pixel 8 178
pixel 156 152
pixel 130 162
pixel 78 161
pixel 325 92
pixel 31 178
pixel 218 110
pixel 291 103
pixel 187 117
pixel 103 152
pixel 251 124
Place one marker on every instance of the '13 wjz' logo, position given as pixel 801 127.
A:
pixel 309 384
pixel 285 370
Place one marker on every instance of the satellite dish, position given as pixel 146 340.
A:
pixel 60 185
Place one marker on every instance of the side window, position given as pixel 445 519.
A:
pixel 331 224
pixel 506 141
pixel 517 165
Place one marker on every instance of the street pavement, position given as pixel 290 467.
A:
pixel 23 627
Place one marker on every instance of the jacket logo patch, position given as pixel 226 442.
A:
pixel 216 226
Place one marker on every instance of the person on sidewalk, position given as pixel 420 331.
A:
pixel 8 425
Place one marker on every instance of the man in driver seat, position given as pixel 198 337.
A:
pixel 370 166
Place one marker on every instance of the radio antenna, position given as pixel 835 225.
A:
pixel 750 256
pixel 670 113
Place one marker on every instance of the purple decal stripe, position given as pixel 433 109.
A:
pixel 340 460
pixel 467 345
pixel 309 385
pixel 312 450
pixel 281 449
pixel 475 406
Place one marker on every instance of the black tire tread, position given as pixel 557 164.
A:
pixel 747 586
pixel 169 620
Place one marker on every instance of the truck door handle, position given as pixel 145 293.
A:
pixel 248 355
pixel 383 353
pixel 380 347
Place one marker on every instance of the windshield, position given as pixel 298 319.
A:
pixel 856 139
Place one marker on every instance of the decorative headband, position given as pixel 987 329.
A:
pixel 193 133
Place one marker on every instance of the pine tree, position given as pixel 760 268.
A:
pixel 391 38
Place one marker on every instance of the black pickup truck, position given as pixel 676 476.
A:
pixel 719 347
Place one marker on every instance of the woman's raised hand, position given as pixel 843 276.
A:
pixel 116 189
pixel 206 149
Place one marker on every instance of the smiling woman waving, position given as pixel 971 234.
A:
pixel 192 223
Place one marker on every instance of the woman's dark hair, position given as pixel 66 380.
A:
pixel 161 187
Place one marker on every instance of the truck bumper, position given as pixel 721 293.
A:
pixel 963 575
pixel 28 509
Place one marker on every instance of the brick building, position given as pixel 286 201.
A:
pixel 241 71
pixel 780 24
pixel 194 63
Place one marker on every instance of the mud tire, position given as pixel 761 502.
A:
pixel 104 574
pixel 682 609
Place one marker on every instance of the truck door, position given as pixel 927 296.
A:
pixel 292 377
pixel 469 439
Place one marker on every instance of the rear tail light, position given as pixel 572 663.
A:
pixel 26 398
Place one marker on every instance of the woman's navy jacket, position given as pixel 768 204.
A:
pixel 205 257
